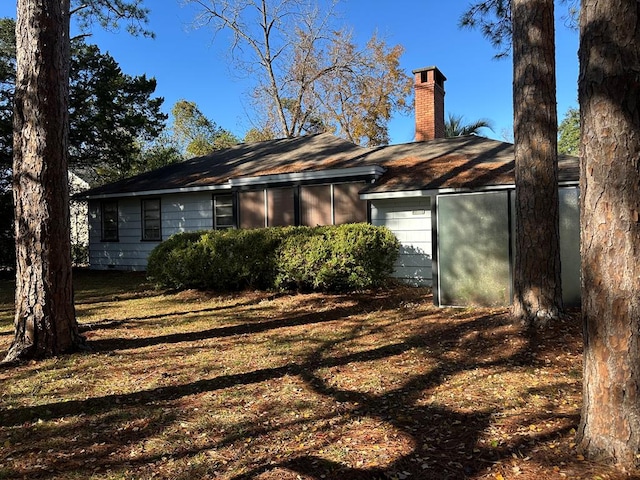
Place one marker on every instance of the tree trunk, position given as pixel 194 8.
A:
pixel 45 323
pixel 609 91
pixel 537 284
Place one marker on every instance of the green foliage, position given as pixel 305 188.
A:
pixel 569 133
pixel 79 255
pixel 455 126
pixel 110 14
pixel 493 18
pixel 157 156
pixel 7 82
pixel 169 264
pixel 341 258
pixel 257 135
pixel 217 260
pixel 110 112
pixel 196 133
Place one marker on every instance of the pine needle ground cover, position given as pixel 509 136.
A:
pixel 375 385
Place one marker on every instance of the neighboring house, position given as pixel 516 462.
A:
pixel 78 218
pixel 449 201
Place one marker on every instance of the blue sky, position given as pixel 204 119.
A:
pixel 189 64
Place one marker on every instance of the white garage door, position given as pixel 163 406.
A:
pixel 410 220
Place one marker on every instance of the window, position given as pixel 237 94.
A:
pixel 252 209
pixel 151 219
pixel 347 206
pixel 315 205
pixel 280 207
pixel 223 212
pixel 109 219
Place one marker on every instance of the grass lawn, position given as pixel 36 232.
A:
pixel 379 385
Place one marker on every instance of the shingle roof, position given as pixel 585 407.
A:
pixel 460 162
pixel 308 153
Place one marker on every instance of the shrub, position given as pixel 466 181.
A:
pixel 219 260
pixel 173 263
pixel 342 258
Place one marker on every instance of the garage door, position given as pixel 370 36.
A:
pixel 410 220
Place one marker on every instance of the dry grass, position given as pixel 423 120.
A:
pixel 379 385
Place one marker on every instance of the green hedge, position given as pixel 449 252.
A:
pixel 340 258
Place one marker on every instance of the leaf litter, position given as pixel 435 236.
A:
pixel 373 385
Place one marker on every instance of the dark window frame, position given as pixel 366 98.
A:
pixel 144 217
pixel 216 217
pixel 109 227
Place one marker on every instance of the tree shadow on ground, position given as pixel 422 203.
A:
pixel 219 332
pixel 443 443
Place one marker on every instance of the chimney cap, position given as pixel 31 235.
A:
pixel 427 69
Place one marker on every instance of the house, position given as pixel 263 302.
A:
pixel 78 217
pixel 449 201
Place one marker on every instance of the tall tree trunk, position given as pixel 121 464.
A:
pixel 45 322
pixel 609 91
pixel 537 285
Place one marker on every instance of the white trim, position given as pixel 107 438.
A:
pixel 441 191
pixel 168 191
pixel 375 170
pixel 403 194
pixel 313 175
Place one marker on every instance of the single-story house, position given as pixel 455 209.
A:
pixel 448 200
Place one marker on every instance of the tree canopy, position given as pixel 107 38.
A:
pixel 111 15
pixel 195 133
pixel 455 126
pixel 310 75
pixel 494 19
pixel 111 114
pixel 7 82
pixel 569 133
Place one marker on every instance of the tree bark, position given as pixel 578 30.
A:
pixel 537 282
pixel 45 323
pixel 609 93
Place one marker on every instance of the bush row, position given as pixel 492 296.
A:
pixel 331 258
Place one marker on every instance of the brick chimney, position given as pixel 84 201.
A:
pixel 429 103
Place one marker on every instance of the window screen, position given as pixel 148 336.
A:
pixel 348 208
pixel 473 249
pixel 280 205
pixel 109 215
pixel 223 212
pixel 151 219
pixel 252 214
pixel 315 205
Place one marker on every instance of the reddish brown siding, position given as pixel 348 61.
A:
pixel 280 206
pixel 251 209
pixel 315 205
pixel 348 207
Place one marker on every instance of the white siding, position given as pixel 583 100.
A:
pixel 179 213
pixel 410 220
